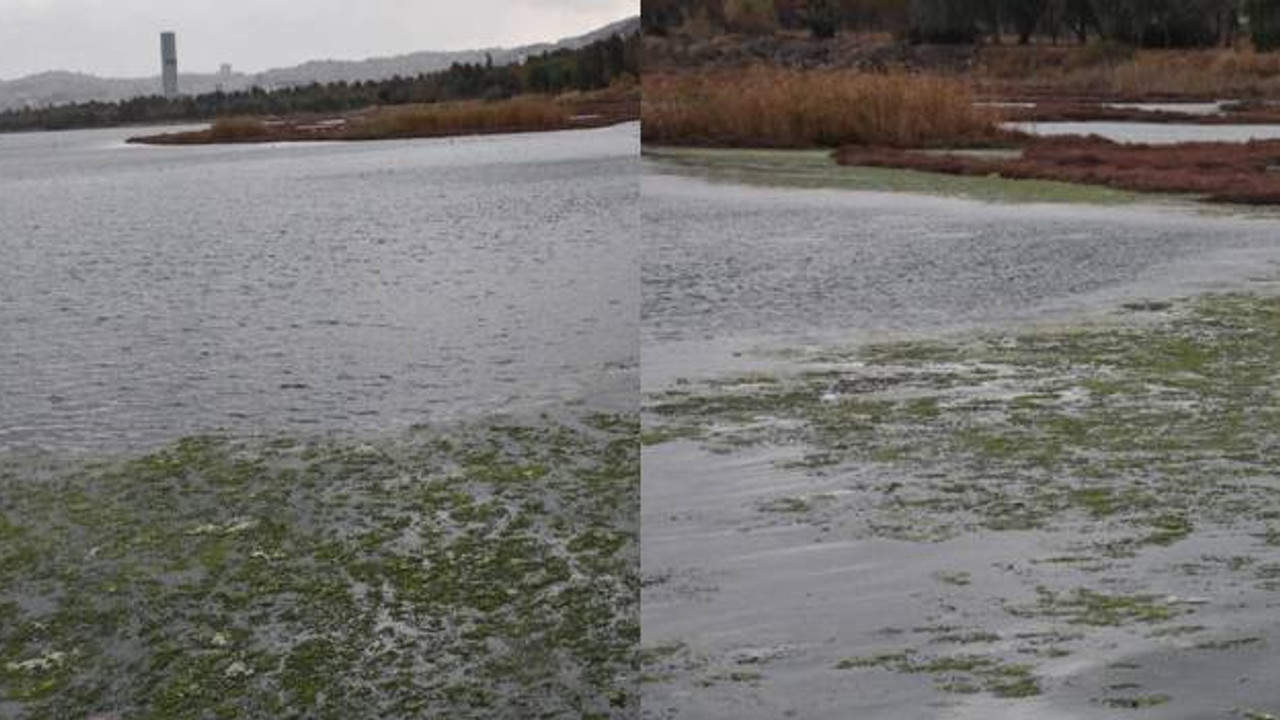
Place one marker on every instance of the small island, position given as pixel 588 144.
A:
pixel 529 113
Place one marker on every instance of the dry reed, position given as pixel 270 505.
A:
pixel 515 115
pixel 237 128
pixel 765 107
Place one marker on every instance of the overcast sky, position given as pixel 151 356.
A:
pixel 120 38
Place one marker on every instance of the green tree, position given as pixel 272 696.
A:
pixel 823 18
pixel 943 21
pixel 1078 18
pixel 1264 24
pixel 1025 16
pixel 750 16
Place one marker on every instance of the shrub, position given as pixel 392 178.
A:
pixel 1264 24
pixel 823 18
pixel 750 16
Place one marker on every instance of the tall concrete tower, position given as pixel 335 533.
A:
pixel 169 63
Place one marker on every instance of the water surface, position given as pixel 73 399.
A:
pixel 762 579
pixel 1151 133
pixel 148 293
pixel 1188 108
pixel 729 267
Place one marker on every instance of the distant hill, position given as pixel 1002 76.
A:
pixel 59 87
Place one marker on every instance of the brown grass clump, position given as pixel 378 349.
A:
pixel 763 107
pixel 516 115
pixel 238 128
pixel 1222 172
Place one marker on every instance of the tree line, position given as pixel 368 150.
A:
pixel 591 67
pixel 1147 23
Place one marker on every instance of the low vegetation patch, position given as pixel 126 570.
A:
pixel 1220 172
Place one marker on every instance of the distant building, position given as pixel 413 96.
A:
pixel 169 63
pixel 224 77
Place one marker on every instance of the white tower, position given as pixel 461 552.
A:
pixel 169 63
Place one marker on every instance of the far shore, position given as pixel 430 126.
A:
pixel 939 124
pixel 515 115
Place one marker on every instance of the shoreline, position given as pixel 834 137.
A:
pixel 1239 174
pixel 204 137
pixel 457 119
pixel 1216 172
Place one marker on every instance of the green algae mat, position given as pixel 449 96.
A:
pixel 816 169
pixel 1131 457
pixel 487 571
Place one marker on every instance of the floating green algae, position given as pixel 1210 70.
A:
pixel 1108 449
pixel 816 169
pixel 963 674
pixel 469 572
pixel 1147 432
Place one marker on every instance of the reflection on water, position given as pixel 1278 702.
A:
pixel 1187 108
pixel 149 293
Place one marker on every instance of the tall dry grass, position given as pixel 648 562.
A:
pixel 769 107
pixel 514 115
pixel 237 128
pixel 1109 70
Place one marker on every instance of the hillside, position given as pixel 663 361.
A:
pixel 60 87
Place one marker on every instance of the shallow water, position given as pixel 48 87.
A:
pixel 729 267
pixel 150 293
pixel 1152 133
pixel 1188 108
pixel 761 576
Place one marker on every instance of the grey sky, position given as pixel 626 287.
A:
pixel 120 37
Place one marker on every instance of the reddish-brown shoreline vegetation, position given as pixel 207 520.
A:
pixel 1220 172
pixel 516 115
pixel 889 119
